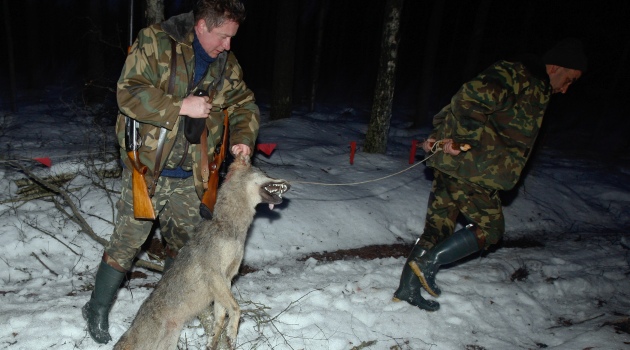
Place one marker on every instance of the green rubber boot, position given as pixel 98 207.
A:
pixel 410 288
pixel 96 310
pixel 461 244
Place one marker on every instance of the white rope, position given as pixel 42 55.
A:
pixel 436 147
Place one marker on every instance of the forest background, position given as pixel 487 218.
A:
pixel 324 52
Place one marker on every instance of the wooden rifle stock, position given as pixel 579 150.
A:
pixel 142 206
pixel 210 194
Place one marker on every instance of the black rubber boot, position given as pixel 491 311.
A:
pixel 410 288
pixel 461 244
pixel 96 310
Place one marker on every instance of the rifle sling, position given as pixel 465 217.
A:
pixel 204 136
pixel 161 140
pixel 205 162
pixel 205 170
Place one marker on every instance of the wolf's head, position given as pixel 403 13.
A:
pixel 259 188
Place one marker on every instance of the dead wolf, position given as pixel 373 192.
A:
pixel 203 271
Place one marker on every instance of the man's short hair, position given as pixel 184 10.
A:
pixel 216 12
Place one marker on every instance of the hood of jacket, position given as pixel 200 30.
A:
pixel 534 64
pixel 179 26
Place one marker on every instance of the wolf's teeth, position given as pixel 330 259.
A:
pixel 276 189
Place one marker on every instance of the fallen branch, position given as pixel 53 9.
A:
pixel 46 266
pixel 567 323
pixel 76 216
pixel 149 265
pixel 53 237
pixel 363 345
pixel 36 195
pixel 26 184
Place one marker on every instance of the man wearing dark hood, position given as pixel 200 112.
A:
pixel 498 114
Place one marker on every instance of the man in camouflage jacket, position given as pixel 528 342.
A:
pixel 150 92
pixel 498 114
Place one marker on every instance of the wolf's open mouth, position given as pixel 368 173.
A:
pixel 277 189
pixel 272 192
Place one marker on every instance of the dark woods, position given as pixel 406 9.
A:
pixel 81 46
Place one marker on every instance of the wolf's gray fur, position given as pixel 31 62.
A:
pixel 205 266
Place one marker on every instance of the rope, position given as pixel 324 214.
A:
pixel 436 147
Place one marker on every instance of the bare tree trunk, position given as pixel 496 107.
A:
pixel 35 73
pixel 428 64
pixel 621 67
pixel 284 57
pixel 93 92
pixel 7 29
pixel 378 129
pixel 477 38
pixel 321 16
pixel 155 11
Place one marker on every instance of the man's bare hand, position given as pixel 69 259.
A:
pixel 241 149
pixel 427 145
pixel 448 148
pixel 196 106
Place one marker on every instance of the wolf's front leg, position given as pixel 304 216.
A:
pixel 217 327
pixel 234 314
pixel 206 317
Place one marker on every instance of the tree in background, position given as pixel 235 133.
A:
pixel 284 58
pixel 476 40
pixel 155 11
pixel 321 16
pixel 378 129
pixel 423 107
pixel 9 48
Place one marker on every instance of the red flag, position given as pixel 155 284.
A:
pixel 46 161
pixel 353 148
pixel 266 148
pixel 412 153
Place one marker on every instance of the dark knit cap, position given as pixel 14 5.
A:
pixel 567 53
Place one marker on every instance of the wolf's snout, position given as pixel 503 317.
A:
pixel 277 189
pixel 272 192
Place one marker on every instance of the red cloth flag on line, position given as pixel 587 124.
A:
pixel 353 149
pixel 266 148
pixel 46 161
pixel 412 152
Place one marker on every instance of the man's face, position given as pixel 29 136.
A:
pixel 561 78
pixel 217 39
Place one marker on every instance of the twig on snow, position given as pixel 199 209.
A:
pixel 46 266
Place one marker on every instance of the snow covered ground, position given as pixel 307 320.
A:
pixel 569 290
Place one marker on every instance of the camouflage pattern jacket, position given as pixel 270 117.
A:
pixel 499 113
pixel 142 95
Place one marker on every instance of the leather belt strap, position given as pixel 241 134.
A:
pixel 157 169
pixel 205 163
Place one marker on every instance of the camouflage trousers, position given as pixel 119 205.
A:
pixel 449 197
pixel 177 207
